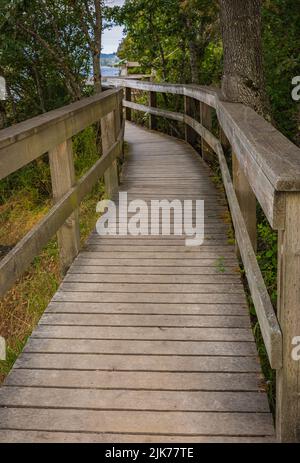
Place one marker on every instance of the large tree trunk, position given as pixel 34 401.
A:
pixel 243 76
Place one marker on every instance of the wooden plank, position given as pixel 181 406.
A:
pixel 151 363
pixel 63 179
pixel 99 243
pixel 140 380
pixel 218 262
pixel 178 288
pixel 235 298
pixel 80 267
pixel 187 252
pixel 145 333
pixel 148 308
pixel 196 423
pixel 72 437
pixel 140 347
pixel 125 278
pixel 145 320
pixel 95 399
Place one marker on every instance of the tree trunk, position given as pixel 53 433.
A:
pixel 243 76
pixel 98 46
pixel 193 51
pixel 2 115
pixel 194 62
pixel 97 72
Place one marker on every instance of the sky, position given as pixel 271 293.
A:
pixel 112 37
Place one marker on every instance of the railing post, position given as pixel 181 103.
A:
pixel 206 121
pixel 110 126
pixel 128 98
pixel 288 313
pixel 223 139
pixel 63 178
pixel 246 199
pixel 190 134
pixel 152 103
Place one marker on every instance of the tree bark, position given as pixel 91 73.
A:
pixel 243 75
pixel 97 47
pixel 194 62
pixel 2 115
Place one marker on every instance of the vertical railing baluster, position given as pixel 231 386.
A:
pixel 63 178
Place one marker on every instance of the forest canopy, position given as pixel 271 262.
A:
pixel 50 47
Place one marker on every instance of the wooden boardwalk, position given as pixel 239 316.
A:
pixel 146 340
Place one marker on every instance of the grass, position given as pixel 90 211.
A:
pixel 25 197
pixel 220 265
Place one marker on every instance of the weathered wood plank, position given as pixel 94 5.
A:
pixel 140 347
pixel 219 262
pixel 138 422
pixel 145 320
pixel 72 437
pixel 83 267
pixel 178 288
pixel 235 298
pixel 144 333
pixel 65 362
pixel 95 399
pixel 138 380
pixel 148 308
pixel 127 278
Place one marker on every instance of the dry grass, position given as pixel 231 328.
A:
pixel 24 304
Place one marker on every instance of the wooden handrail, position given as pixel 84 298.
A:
pixel 266 168
pixel 22 143
pixel 52 132
pixel 258 146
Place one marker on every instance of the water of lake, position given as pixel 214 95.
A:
pixel 108 71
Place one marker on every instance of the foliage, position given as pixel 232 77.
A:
pixel 281 33
pixel 170 37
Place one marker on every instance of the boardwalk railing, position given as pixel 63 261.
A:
pixel 266 168
pixel 52 133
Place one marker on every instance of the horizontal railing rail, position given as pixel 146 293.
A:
pixel 257 144
pixel 52 133
pixel 265 168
